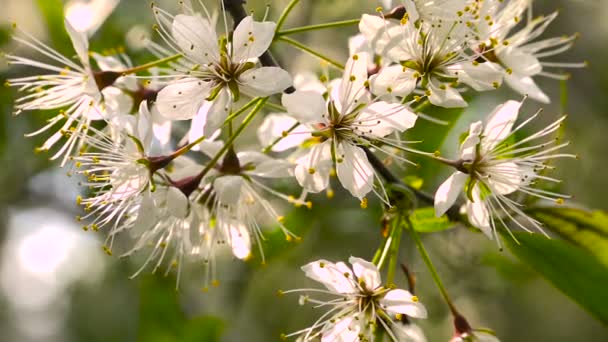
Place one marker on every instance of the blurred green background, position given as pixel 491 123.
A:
pixel 57 285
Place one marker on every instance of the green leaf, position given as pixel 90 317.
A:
pixel 425 221
pixel 572 270
pixel 587 229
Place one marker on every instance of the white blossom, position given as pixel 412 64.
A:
pixel 517 50
pixel 348 118
pixel 432 56
pixel 493 166
pixel 212 71
pixel 358 304
pixel 69 87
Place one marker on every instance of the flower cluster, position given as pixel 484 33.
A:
pixel 186 197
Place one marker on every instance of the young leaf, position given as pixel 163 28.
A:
pixel 425 221
pixel 578 274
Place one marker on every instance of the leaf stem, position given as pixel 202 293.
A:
pixel 305 48
pixel 317 27
pixel 151 64
pixel 285 14
pixel 431 267
pixel 394 250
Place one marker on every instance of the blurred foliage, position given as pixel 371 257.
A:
pixel 572 270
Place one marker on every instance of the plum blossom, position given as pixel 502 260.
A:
pixel 433 57
pixel 233 198
pixel 359 304
pixel 517 50
pixel 212 71
pixel 69 87
pixel 348 118
pixel 493 166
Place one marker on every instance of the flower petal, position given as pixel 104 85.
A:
pixel 480 76
pixel 520 62
pixel 265 81
pixel 336 277
pixel 393 80
pixel 366 272
pixel 196 37
pixel 468 149
pixel 383 118
pixel 240 240
pixel 447 98
pixel 274 126
pixel 312 170
pixel 500 124
pixel 228 189
pixel 352 87
pixel 305 106
pixel 478 213
pixel 402 302
pixel 182 99
pixel 80 43
pixel 177 203
pixel 218 112
pixel 526 86
pixel 448 192
pixel 265 166
pixel 347 329
pixel 251 39
pixel 354 170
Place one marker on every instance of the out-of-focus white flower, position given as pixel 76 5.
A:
pixel 70 87
pixel 516 49
pixel 88 15
pixel 433 56
pixel 493 166
pixel 348 118
pixel 359 304
pixel 212 71
pixel 233 196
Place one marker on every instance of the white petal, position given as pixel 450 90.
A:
pixel 401 302
pixel 196 38
pixel 251 39
pixel 352 87
pixel 448 192
pixel 265 81
pixel 312 170
pixel 385 36
pixel 354 170
pixel 198 123
pixel 265 166
pixel 382 118
pixel 447 98
pixel 305 106
pixel 144 125
pixel 468 149
pixel 273 127
pixel 526 86
pixel 307 81
pixel 393 80
pixel 367 272
pixel 481 77
pixel 408 332
pixel 478 213
pixel 336 277
pixel 500 124
pixel 346 329
pixel 520 62
pixel 182 99
pixel 210 148
pixel 508 177
pixel 240 240
pixel 177 202
pixel 80 43
pixel 116 101
pixel 360 44
pixel 228 189
pixel 218 112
